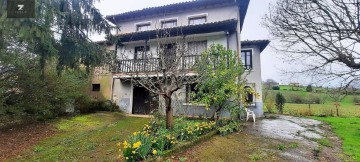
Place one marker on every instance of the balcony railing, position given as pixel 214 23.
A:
pixel 154 64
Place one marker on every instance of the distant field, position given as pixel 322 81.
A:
pixel 325 109
pixel 347 106
pixel 286 91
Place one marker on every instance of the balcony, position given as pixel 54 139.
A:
pixel 153 65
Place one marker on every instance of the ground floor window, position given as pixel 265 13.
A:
pixel 190 91
pixel 250 97
pixel 95 87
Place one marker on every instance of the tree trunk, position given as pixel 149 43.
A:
pixel 169 114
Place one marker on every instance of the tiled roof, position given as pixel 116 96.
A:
pixel 176 7
pixel 225 25
pixel 262 44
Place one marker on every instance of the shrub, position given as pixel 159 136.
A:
pixel 309 88
pixel 280 102
pixel 269 101
pixel 232 126
pixel 86 105
pixel 154 138
pixel 276 88
pixel 356 99
pixel 314 99
pixel 295 98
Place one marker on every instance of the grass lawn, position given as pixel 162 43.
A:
pixel 348 129
pixel 234 147
pixel 85 138
pixel 347 110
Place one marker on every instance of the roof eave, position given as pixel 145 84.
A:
pixel 262 44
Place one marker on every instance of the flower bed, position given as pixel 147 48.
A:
pixel 154 139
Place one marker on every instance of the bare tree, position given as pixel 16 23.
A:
pixel 269 83
pixel 165 70
pixel 323 35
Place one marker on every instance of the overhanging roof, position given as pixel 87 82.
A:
pixel 262 44
pixel 176 7
pixel 226 25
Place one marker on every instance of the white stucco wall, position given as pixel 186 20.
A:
pixel 213 14
pixel 123 95
pixel 254 77
pixel 124 90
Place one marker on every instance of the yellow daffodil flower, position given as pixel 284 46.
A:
pixel 154 152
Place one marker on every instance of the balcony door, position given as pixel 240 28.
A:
pixel 140 58
pixel 169 54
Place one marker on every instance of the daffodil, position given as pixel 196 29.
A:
pixel 134 152
pixel 137 144
pixel 154 152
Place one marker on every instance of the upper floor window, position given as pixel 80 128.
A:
pixel 197 20
pixel 168 23
pixel 140 52
pixel 143 27
pixel 246 59
pixel 197 47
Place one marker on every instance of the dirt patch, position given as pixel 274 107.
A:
pixel 19 138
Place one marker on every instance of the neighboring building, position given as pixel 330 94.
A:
pixel 201 23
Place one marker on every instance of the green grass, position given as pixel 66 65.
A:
pixel 85 138
pixel 317 109
pixel 348 129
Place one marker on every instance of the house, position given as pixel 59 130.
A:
pixel 197 24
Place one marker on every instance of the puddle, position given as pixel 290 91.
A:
pixel 288 128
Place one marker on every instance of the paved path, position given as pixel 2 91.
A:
pixel 311 140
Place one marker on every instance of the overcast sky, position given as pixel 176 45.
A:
pixel 271 65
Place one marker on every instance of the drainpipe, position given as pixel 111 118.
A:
pixel 112 89
pixel 227 39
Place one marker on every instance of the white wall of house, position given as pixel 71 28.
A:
pixel 254 77
pixel 213 15
pixel 123 90
pixel 123 95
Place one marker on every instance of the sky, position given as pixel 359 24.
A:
pixel 271 64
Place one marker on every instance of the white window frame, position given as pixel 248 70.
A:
pixel 197 16
pixel 169 19
pixel 142 23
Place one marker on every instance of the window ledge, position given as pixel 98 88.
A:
pixel 193 104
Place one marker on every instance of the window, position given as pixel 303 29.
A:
pixel 169 52
pixel 95 87
pixel 190 91
pixel 197 47
pixel 249 96
pixel 246 58
pixel 168 23
pixel 143 27
pixel 197 20
pixel 140 52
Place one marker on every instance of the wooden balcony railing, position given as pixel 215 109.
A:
pixel 154 64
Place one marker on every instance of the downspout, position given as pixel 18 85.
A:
pixel 227 40
pixel 112 89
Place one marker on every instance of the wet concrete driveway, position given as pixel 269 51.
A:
pixel 303 139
